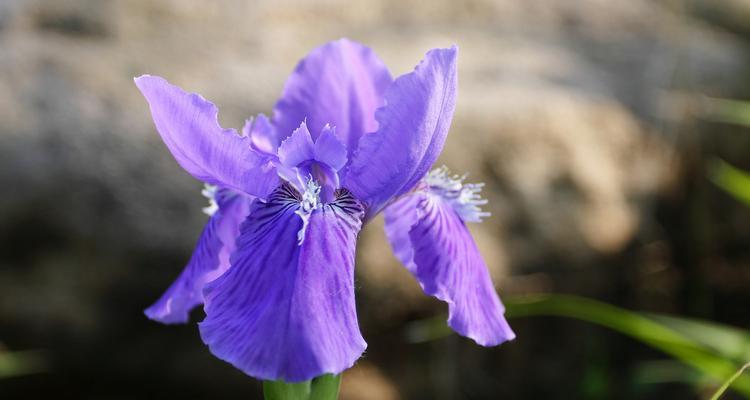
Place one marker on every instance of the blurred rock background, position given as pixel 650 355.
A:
pixel 583 117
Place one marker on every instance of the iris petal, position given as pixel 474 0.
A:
pixel 413 126
pixel 209 260
pixel 286 311
pixel 189 126
pixel 399 218
pixel 329 150
pixel 262 134
pixel 340 83
pixel 301 159
pixel 446 262
pixel 297 148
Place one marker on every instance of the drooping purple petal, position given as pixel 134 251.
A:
pixel 209 260
pixel 189 126
pixel 399 218
pixel 340 83
pixel 413 126
pixel 286 311
pixel 234 208
pixel 447 264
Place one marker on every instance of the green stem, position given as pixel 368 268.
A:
pixel 324 387
pixel 280 390
pixel 729 382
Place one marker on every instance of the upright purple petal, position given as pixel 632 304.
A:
pixel 209 260
pixel 189 126
pixel 286 311
pixel 446 262
pixel 329 150
pixel 413 126
pixel 301 159
pixel 340 83
pixel 297 148
pixel 263 135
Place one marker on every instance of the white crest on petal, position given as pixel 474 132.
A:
pixel 465 198
pixel 310 202
pixel 209 192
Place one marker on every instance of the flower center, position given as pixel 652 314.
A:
pixel 463 197
pixel 302 157
pixel 311 196
pixel 324 177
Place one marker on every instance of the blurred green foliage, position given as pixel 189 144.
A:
pixel 713 350
pixel 723 388
pixel 19 363
pixel 726 110
pixel 729 342
pixel 734 181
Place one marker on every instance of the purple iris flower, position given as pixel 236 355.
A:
pixel 274 267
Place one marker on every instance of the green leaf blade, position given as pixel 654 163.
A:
pixel 733 180
pixel 637 326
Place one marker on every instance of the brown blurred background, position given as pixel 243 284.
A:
pixel 583 117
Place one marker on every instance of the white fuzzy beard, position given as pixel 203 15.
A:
pixel 465 198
